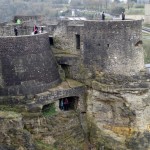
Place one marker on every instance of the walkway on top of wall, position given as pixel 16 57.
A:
pixel 27 35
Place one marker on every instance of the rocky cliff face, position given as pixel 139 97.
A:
pixel 12 134
pixel 116 118
pixel 118 113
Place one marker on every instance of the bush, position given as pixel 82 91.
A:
pixel 139 6
pixel 117 11
pixel 49 110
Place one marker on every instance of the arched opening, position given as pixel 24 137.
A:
pixel 68 103
pixel 66 70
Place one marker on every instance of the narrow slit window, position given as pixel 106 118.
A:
pixel 51 41
pixel 77 41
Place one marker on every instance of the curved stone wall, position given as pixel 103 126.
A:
pixel 113 46
pixel 27 65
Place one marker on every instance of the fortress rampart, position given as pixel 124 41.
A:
pixel 114 46
pixel 109 46
pixel 27 65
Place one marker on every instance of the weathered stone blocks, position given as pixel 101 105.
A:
pixel 28 65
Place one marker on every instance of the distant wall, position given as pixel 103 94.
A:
pixel 147 13
pixel 25 18
pixel 27 65
pixel 8 29
pixel 135 17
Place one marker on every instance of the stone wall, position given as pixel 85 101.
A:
pixel 147 13
pixel 114 46
pixel 28 65
pixel 25 18
pixel 109 46
pixel 8 29
pixel 65 36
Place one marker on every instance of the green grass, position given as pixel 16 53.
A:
pixel 9 108
pixel 146 25
pixel 135 11
pixel 146 46
pixel 49 110
pixel 44 146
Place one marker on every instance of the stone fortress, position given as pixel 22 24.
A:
pixel 97 65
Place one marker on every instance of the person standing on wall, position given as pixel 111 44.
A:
pixel 42 29
pixel 103 16
pixel 123 16
pixel 16 31
pixel 35 29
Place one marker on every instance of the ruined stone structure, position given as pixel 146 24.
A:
pixel 27 65
pixel 113 46
pixel 96 65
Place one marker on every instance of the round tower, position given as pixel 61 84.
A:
pixel 114 46
pixel 27 65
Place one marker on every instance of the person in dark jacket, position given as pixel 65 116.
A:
pixel 103 16
pixel 16 31
pixel 123 16
pixel 35 29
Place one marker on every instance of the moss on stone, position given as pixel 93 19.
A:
pixel 11 108
pixel 98 139
pixel 103 87
pixel 42 146
pixel 9 115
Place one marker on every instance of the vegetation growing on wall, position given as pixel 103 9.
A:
pixel 146 46
pixel 49 110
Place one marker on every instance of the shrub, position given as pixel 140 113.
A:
pixel 117 11
pixel 49 110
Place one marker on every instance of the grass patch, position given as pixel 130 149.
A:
pixel 146 25
pixel 44 146
pixel 49 110
pixel 135 11
pixel 146 46
pixel 9 108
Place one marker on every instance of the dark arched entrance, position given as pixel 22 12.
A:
pixel 68 103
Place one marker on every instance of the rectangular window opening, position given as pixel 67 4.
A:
pixel 77 41
pixel 51 41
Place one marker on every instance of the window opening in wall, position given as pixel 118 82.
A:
pixel 138 43
pixel 66 70
pixel 68 103
pixel 77 41
pixel 107 45
pixel 51 41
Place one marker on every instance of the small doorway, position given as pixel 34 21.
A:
pixel 66 70
pixel 68 103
